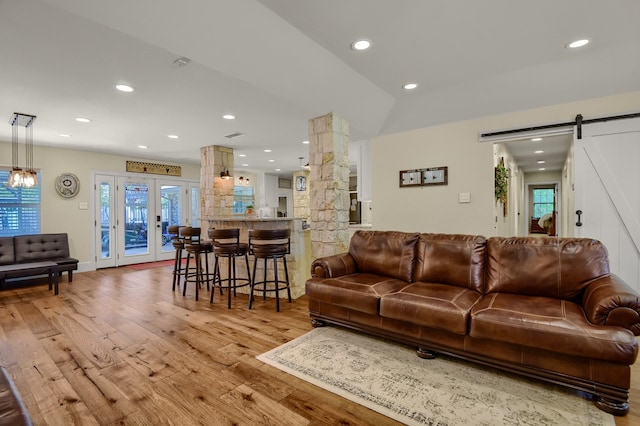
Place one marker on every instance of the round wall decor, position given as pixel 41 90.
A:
pixel 67 185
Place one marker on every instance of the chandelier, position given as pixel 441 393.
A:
pixel 18 177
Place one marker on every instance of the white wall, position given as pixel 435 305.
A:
pixel 436 209
pixel 63 215
pixel 508 225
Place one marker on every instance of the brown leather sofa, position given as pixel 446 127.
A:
pixel 12 409
pixel 546 308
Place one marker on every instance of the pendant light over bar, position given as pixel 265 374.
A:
pixel 27 178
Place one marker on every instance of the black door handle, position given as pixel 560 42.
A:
pixel 579 213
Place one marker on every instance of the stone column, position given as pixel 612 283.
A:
pixel 216 194
pixel 329 184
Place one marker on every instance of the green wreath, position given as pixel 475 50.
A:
pixel 501 182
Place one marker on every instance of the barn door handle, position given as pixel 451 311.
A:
pixel 579 213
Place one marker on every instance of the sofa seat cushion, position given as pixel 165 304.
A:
pixel 550 324
pixel 440 306
pixel 360 291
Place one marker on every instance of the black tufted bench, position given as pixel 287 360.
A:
pixel 30 255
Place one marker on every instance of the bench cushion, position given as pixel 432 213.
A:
pixel 32 248
pixel 25 269
pixel 7 252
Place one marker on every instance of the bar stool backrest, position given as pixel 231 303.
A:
pixel 265 241
pixel 224 237
pixel 174 231
pixel 190 235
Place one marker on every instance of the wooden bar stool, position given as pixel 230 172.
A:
pixel 226 243
pixel 270 244
pixel 178 245
pixel 198 249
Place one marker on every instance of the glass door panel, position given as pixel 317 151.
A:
pixel 105 221
pixel 171 212
pixel 136 206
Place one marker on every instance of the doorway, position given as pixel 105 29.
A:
pixel 542 209
pixel 132 216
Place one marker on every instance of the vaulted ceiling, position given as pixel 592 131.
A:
pixel 276 63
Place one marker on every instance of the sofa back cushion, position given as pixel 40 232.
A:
pixel 548 267
pixel 41 247
pixel 6 251
pixel 457 260
pixel 387 253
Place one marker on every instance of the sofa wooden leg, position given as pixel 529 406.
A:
pixel 617 408
pixel 426 353
pixel 317 323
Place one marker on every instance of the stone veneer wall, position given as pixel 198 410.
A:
pixel 329 184
pixel 216 194
pixel 301 199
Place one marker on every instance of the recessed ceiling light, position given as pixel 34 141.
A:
pixel 245 165
pixel 536 139
pixel 124 88
pixel 542 169
pixel 83 120
pixel 272 161
pixel 538 152
pixel 540 161
pixel 409 86
pixel 305 142
pixel 143 147
pixel 277 170
pixel 267 150
pixel 64 135
pixel 362 44
pixel 173 136
pixel 242 155
pixel 577 43
pixel 229 117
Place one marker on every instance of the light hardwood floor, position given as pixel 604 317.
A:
pixel 117 346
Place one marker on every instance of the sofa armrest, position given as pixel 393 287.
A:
pixel 610 301
pixel 333 266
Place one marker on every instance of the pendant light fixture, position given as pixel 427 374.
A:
pixel 225 174
pixel 18 177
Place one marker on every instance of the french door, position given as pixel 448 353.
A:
pixel 133 214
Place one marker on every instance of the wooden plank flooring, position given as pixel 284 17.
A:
pixel 118 347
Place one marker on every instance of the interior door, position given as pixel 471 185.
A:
pixel 607 200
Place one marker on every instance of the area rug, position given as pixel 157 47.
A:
pixel 390 378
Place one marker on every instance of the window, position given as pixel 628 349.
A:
pixel 19 208
pixel 543 201
pixel 242 198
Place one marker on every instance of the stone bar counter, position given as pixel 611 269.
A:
pixel 298 262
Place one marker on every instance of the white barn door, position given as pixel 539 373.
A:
pixel 607 192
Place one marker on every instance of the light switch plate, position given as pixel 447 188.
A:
pixel 464 197
pixel 83 205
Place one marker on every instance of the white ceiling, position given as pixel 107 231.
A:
pixel 276 63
